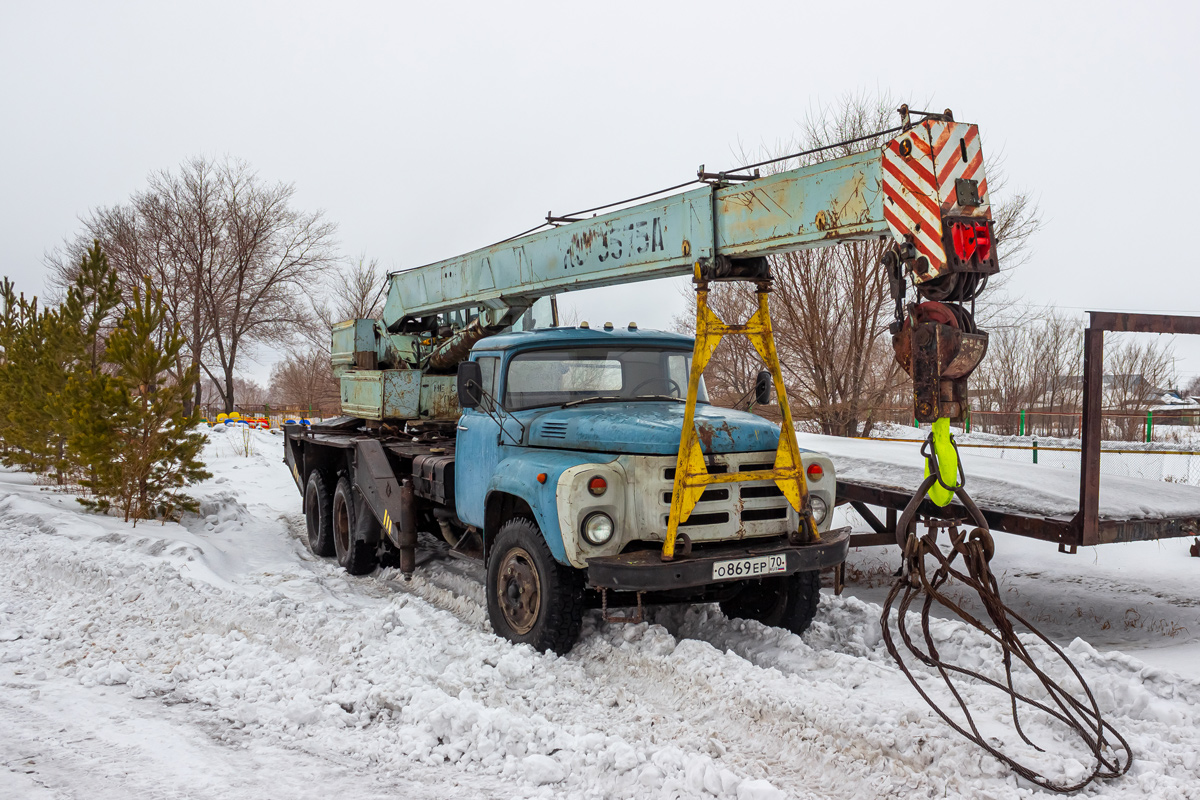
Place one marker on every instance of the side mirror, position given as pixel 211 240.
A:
pixel 470 384
pixel 762 388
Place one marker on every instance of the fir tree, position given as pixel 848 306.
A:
pixel 157 451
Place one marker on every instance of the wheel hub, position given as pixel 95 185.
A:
pixel 341 527
pixel 519 590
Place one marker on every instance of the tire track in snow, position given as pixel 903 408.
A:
pixel 694 701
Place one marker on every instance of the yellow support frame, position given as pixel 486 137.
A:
pixel 691 471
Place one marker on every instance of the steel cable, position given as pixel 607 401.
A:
pixel 1080 716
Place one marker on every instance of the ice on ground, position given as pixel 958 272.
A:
pixel 218 658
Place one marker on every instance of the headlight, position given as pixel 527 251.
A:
pixel 598 528
pixel 819 508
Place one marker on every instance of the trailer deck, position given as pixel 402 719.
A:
pixel 1037 501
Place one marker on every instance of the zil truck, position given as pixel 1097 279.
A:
pixel 585 467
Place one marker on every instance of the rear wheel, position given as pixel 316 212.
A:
pixel 354 553
pixel 532 599
pixel 787 602
pixel 318 513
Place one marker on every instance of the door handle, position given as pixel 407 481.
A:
pixel 462 427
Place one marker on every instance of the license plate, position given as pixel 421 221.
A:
pixel 754 567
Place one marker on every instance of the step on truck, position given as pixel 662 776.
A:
pixel 585 467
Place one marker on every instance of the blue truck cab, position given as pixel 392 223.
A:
pixel 568 457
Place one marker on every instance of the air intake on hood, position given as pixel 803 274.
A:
pixel 554 430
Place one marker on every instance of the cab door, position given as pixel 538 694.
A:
pixel 477 446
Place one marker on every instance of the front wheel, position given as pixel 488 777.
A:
pixel 532 599
pixel 787 602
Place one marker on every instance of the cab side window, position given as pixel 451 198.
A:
pixel 489 367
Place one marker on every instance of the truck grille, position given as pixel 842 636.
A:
pixel 746 509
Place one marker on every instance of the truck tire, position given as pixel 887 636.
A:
pixel 318 513
pixel 355 555
pixel 531 598
pixel 788 602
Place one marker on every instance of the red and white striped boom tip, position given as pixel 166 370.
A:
pixel 921 168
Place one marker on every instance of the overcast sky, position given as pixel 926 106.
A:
pixel 425 130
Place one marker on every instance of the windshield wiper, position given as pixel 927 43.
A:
pixel 596 399
pixel 661 397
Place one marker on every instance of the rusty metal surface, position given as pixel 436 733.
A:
pixel 643 571
pixel 450 353
pixel 1143 323
pixel 399 394
pixel 1060 530
pixel 353 343
pixel 939 358
pixel 1088 519
pixel 1047 529
pixel 439 397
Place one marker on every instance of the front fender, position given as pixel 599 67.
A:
pixel 517 475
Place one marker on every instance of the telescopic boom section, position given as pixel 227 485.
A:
pixel 925 188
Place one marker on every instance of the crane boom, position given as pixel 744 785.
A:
pixel 924 191
pixel 906 188
pixel 832 201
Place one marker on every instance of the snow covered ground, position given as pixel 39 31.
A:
pixel 1004 485
pixel 219 659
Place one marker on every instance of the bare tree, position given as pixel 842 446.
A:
pixel 304 381
pixel 252 396
pixel 258 293
pixel 168 233
pixel 1137 369
pixel 355 291
pixel 233 259
pixel 1033 363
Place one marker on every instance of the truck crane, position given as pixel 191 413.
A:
pixel 585 467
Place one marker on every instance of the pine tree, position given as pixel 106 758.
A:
pixel 51 358
pixel 8 327
pixel 91 301
pixel 93 399
pixel 157 451
pixel 37 358
pixel 108 412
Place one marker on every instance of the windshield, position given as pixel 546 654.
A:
pixel 555 377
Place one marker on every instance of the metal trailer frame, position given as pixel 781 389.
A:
pixel 1086 527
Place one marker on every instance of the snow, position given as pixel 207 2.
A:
pixel 218 658
pixel 1002 485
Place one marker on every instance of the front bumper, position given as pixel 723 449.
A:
pixel 645 571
